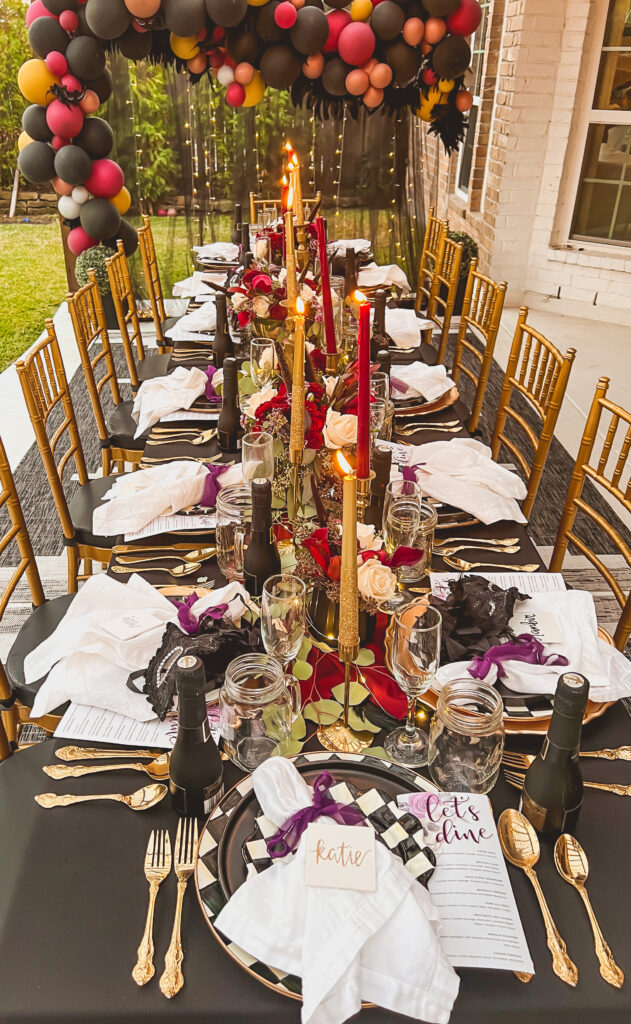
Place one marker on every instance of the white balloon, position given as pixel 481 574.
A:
pixel 225 75
pixel 80 194
pixel 68 208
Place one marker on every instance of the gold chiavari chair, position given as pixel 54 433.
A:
pixel 539 373
pixel 116 431
pixel 15 697
pixel 48 401
pixel 481 314
pixel 161 321
pixel 595 466
pixel 442 295
pixel 140 366
pixel 435 231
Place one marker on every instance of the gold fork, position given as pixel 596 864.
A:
pixel 513 759
pixel 175 458
pixel 475 541
pixel 201 555
pixel 157 867
pixel 462 566
pixel 176 571
pixel 408 431
pixel 203 438
pixel 516 779
pixel 185 846
pixel 442 551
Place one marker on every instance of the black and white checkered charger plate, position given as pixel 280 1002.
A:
pixel 398 829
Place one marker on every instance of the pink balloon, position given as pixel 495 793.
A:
pixel 285 15
pixel 381 76
pixel 357 81
pixel 69 21
pixel 90 102
pixel 243 73
pixel 337 20
pixel 37 10
pixel 356 44
pixel 71 83
pixel 63 120
pixel 57 142
pixel 413 31
pixel 106 179
pixel 79 240
pixel 62 188
pixel 313 66
pixel 56 63
pixel 235 94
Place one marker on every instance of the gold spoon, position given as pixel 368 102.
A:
pixel 474 541
pixel 520 846
pixel 158 769
pixel 141 800
pixel 512 550
pixel 200 555
pixel 173 458
pixel 573 866
pixel 80 753
pixel 204 438
pixel 462 566
pixel 178 570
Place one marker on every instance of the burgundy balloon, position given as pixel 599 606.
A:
pixel 79 240
pixel 106 179
pixel 37 10
pixel 465 19
pixel 337 21
pixel 63 120
pixel 356 44
pixel 56 63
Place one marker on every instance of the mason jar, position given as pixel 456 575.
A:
pixel 257 706
pixel 466 737
pixel 234 520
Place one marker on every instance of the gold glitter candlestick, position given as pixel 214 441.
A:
pixel 363 495
pixel 290 261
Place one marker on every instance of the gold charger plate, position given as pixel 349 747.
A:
pixel 425 408
pixel 514 726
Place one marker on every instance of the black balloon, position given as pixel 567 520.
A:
pixel 45 35
pixel 128 236
pixel 83 29
pixel 184 17
pixel 244 45
pixel 403 59
pixel 334 75
pixel 310 32
pixel 108 19
pixel 100 218
pixel 37 162
pixel 57 6
pixel 135 45
pixel 451 57
pixel 227 13
pixel 73 165
pixel 387 20
pixel 338 4
pixel 266 27
pixel 86 57
pixel 34 122
pixel 280 66
pixel 96 137
pixel 102 85
pixel 441 8
pixel 315 3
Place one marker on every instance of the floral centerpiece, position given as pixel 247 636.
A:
pixel 275 234
pixel 259 302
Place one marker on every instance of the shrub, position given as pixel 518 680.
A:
pixel 470 250
pixel 94 259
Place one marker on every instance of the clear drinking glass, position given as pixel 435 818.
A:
pixel 415 659
pixel 262 358
pixel 401 520
pixel 466 737
pixel 283 616
pixel 424 539
pixel 234 519
pixel 260 243
pixel 257 455
pixel 400 488
pixel 380 384
pixel 378 408
pixel 257 705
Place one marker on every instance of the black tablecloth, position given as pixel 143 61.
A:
pixel 73 900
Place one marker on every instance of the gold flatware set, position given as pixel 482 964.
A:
pixel 204 437
pixel 157 867
pixel 463 566
pixel 516 780
pixel 409 429
pixel 141 800
pixel 156 769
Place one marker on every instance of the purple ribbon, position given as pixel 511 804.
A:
pixel 525 648
pixel 287 838
pixel 397 385
pixel 211 394
pixel 190 623
pixel 211 486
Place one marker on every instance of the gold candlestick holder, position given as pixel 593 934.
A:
pixel 363 494
pixel 339 736
pixel 302 252
pixel 332 362
pixel 295 459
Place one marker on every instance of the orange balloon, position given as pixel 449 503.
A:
pixel 464 100
pixel 381 76
pixel 244 73
pixel 372 97
pixel 142 8
pixel 426 47
pixel 313 66
pixel 413 31
pixel 357 81
pixel 369 65
pixel 90 102
pixel 435 30
pixel 122 201
pixel 197 64
pixel 62 188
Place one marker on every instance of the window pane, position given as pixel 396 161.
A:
pixel 618 30
pixel 466 151
pixel 613 88
pixel 603 207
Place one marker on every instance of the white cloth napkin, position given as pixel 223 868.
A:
pixel 197 287
pixel 566 624
pixel 89 665
pixel 339 246
pixel 346 946
pixel 136 499
pixel 226 251
pixel 159 396
pixel 421 380
pixel 374 276
pixel 404 327
pixel 192 326
pixel 234 595
pixel 462 473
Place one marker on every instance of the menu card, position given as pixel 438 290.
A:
pixel 470 886
pixel 96 725
pixel 169 524
pixel 526 582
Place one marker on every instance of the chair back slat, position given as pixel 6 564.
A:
pixel 481 315
pixel 443 290
pixel 152 277
pixel 126 311
pixel 538 372
pixel 435 231
pixel 97 360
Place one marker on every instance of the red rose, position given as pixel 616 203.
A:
pixel 244 318
pixel 277 312
pixel 314 440
pixel 318 358
pixel 262 283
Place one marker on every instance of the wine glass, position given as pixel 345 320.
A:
pixel 283 616
pixel 257 456
pixel 378 408
pixel 415 659
pixel 262 358
pixel 401 520
pixel 380 384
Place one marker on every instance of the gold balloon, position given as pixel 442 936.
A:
pixel 122 201
pixel 35 80
pixel 184 47
pixel 24 140
pixel 361 10
pixel 446 84
pixel 257 3
pixel 254 91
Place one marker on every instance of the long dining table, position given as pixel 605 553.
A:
pixel 73 894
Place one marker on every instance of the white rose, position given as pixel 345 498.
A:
pixel 282 274
pixel 238 299
pixel 307 294
pixel 329 385
pixel 265 395
pixel 260 306
pixel 340 430
pixel 375 581
pixel 366 536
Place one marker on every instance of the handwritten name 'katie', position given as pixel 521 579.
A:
pixel 341 857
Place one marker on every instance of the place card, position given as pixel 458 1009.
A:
pixel 400 452
pixel 130 624
pixel 186 414
pixel 341 857
pixel 541 624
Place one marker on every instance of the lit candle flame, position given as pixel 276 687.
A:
pixel 344 464
pixel 284 182
pixel 289 147
pixel 300 307
pixel 294 161
pixel 359 296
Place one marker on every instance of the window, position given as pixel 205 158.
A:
pixel 465 156
pixel 603 204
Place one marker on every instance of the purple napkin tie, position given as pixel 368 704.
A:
pixel 397 385
pixel 211 394
pixel 525 648
pixel 211 486
pixel 287 838
pixel 190 623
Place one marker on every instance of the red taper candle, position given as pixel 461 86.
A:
pixel 327 302
pixel 363 396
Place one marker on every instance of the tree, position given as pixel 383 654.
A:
pixel 14 50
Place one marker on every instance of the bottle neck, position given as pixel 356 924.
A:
pixel 564 734
pixel 191 712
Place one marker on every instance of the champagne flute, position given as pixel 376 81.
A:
pixel 257 454
pixel 378 408
pixel 262 358
pixel 401 521
pixel 415 659
pixel 283 616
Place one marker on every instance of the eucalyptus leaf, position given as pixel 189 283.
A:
pixel 305 648
pixel 358 693
pixel 323 712
pixel 299 728
pixel 379 752
pixel 321 646
pixel 361 724
pixel 247 386
pixel 245 368
pixel 287 748
pixel 302 670
pixel 364 658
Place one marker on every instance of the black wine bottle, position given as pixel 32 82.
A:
pixel 553 787
pixel 381 464
pixel 379 338
pixel 222 343
pixel 261 559
pixel 195 771
pixel 350 275
pixel 236 227
pixel 245 242
pixel 384 359
pixel 229 432
pixel 248 260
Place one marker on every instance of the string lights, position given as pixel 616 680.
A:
pixel 339 152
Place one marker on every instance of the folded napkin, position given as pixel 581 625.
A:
pixel 462 473
pixel 196 325
pixel 374 276
pixel 90 665
pixel 197 287
pixel 226 251
pixel 404 327
pixel 159 396
pixel 339 246
pixel 136 499
pixel 346 946
pixel 565 622
pixel 420 380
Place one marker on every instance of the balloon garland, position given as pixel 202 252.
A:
pixel 349 55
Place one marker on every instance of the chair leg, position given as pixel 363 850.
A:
pixel 106 461
pixel 87 566
pixel 73 570
pixel 5 744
